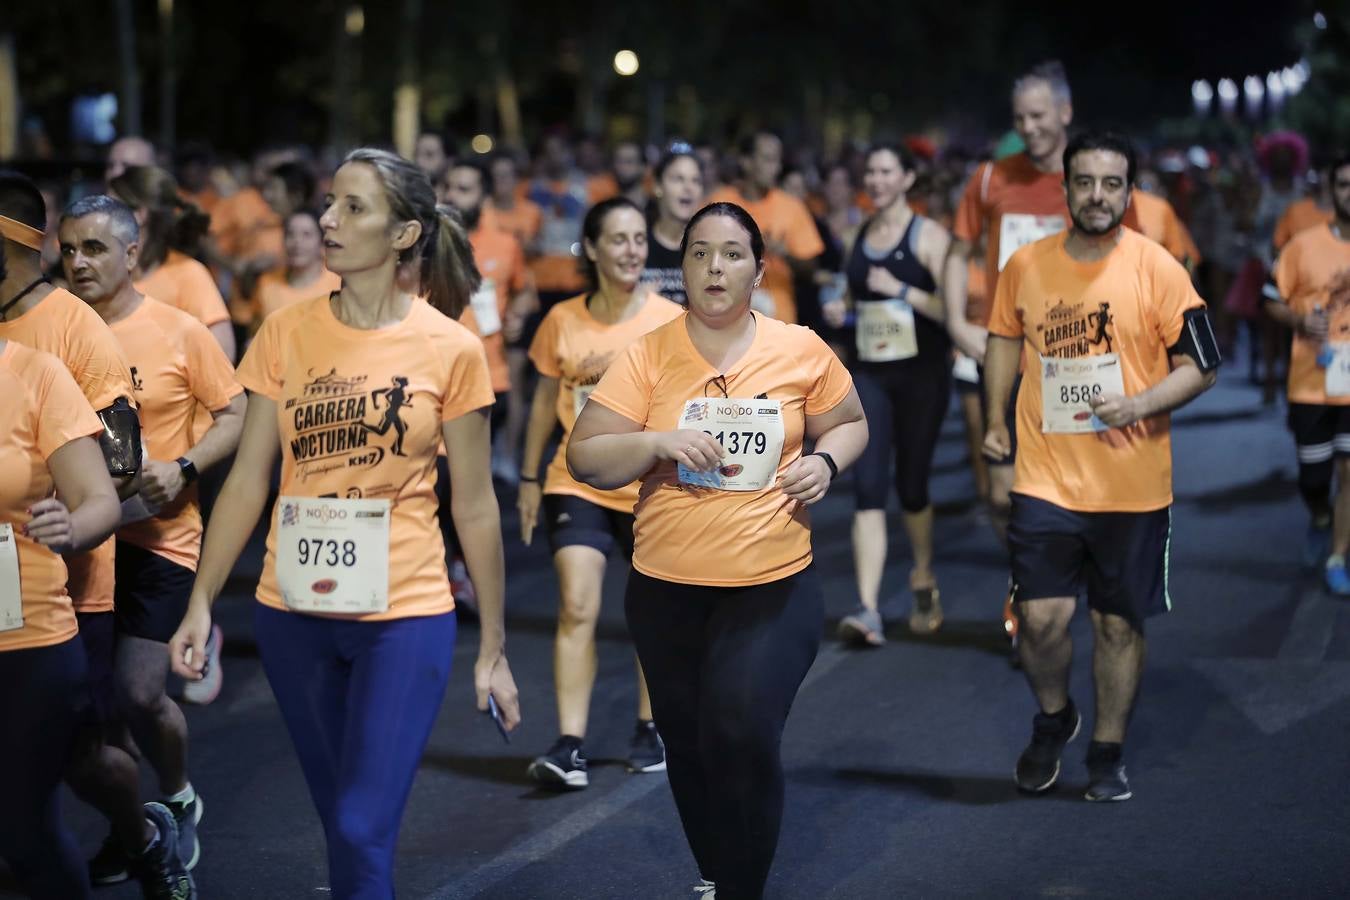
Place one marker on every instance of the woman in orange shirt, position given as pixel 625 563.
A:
pixel 171 232
pixel 303 277
pixel 355 622
pixel 575 343
pixel 48 449
pixel 710 411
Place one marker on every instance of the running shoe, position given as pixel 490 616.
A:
pixel 1106 776
pixel 213 676
pixel 1338 580
pixel 187 815
pixel 926 615
pixel 1317 544
pixel 863 627
pixel 563 767
pixel 705 890
pixel 110 864
pixel 461 588
pixel 646 752
pixel 1038 766
pixel 159 868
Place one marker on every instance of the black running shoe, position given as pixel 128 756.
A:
pixel 110 864
pixel 1106 777
pixel 646 752
pixel 1038 766
pixel 159 869
pixel 563 767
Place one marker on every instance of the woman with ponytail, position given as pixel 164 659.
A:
pixel 172 229
pixel 354 620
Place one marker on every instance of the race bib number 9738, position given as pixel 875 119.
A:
pixel 333 555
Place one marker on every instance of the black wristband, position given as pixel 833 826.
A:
pixel 829 461
pixel 188 468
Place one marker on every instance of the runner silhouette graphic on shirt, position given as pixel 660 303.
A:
pixel 1101 319
pixel 396 398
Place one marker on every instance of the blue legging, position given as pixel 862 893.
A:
pixel 359 700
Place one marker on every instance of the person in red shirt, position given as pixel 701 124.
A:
pixel 355 622
pixel 1012 202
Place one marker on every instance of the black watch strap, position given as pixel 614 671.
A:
pixel 189 469
pixel 829 461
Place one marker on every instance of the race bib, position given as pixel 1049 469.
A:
pixel 1067 389
pixel 761 301
pixel 1016 230
pixel 1338 370
pixel 965 369
pixel 886 330
pixel 484 303
pixel 750 431
pixel 580 394
pixel 333 555
pixel 11 599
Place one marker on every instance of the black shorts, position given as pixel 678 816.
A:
pixel 1121 557
pixel 99 638
pixel 151 593
pixel 1320 432
pixel 1009 415
pixel 574 522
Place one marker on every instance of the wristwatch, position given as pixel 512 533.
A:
pixel 829 461
pixel 190 470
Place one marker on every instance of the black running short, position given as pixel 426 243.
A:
pixel 99 639
pixel 1320 431
pixel 151 593
pixel 572 521
pixel 1121 558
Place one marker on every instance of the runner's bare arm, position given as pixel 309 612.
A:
pixel 934 244
pixel 543 417
pixel 970 339
pixel 87 510
pixel 1000 371
pixel 1182 385
pixel 162 480
pixel 840 432
pixel 608 450
pixel 1313 325
pixel 478 522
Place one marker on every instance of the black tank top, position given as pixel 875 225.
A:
pixel 902 261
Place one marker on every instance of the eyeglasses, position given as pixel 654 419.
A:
pixel 719 382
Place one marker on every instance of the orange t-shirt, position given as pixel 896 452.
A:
pixel 501 262
pixel 714 537
pixel 977 291
pixel 182 282
pixel 69 329
pixel 1014 198
pixel 576 349
pixel 781 217
pixel 1314 270
pixel 1057 306
pixel 521 220
pixel 1300 216
pixel 246 227
pixel 335 388
pixel 175 365
pixel 43 411
pixel 274 292
pixel 1154 218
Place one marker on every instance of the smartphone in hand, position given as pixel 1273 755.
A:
pixel 497 718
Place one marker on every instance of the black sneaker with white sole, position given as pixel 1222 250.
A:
pixel 563 767
pixel 1106 774
pixel 1038 766
pixel 646 752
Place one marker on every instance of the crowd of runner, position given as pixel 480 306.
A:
pixel 629 345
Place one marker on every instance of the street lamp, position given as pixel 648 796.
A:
pixel 1202 95
pixel 626 63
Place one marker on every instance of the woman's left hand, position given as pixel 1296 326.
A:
pixel 806 480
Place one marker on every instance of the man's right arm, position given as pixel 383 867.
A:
pixel 1000 371
pixel 970 339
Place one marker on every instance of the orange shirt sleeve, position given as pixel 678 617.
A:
pixel 199 297
pixel 544 347
pixel 210 375
pixel 1285 275
pixel 1284 228
pixel 469 385
pixel 802 237
pixel 63 412
pixel 98 365
pixel 626 387
pixel 970 213
pixel 830 381
pixel 261 370
pixel 1173 295
pixel 1004 320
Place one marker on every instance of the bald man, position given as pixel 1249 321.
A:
pixel 128 151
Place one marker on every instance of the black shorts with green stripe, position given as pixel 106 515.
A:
pixel 1120 558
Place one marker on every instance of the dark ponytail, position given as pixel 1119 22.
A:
pixel 449 275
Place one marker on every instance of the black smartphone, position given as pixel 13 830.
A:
pixel 497 718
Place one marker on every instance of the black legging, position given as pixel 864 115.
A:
pixel 905 403
pixel 723 666
pixel 43 689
